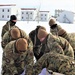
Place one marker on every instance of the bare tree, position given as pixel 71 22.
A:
pixel 37 18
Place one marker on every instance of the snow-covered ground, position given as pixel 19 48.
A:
pixel 29 26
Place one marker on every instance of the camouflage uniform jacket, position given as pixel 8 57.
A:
pixel 59 45
pixel 6 27
pixel 55 62
pixel 13 62
pixel 55 30
pixel 7 37
pixel 70 37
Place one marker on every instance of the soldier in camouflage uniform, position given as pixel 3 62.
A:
pixel 37 48
pixel 9 24
pixel 54 27
pixel 68 37
pixel 17 56
pixel 55 62
pixel 13 34
pixel 56 43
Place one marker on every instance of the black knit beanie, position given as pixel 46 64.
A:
pixel 13 17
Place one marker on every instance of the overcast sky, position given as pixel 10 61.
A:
pixel 49 5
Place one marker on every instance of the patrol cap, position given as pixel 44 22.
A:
pixel 41 27
pixel 15 33
pixel 42 34
pixel 61 32
pixel 21 44
pixel 52 22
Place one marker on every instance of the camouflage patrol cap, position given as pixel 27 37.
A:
pixel 42 34
pixel 52 22
pixel 15 33
pixel 21 44
pixel 61 32
pixel 41 27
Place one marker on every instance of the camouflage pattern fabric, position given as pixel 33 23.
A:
pixel 59 45
pixel 55 62
pixel 13 62
pixel 70 37
pixel 7 27
pixel 38 49
pixel 55 30
pixel 72 40
pixel 7 37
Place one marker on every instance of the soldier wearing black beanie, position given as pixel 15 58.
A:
pixel 13 19
pixel 9 24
